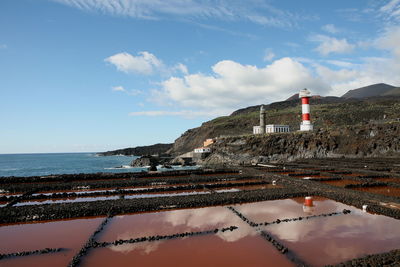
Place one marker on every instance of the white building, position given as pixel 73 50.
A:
pixel 269 128
pixel 272 128
pixel 202 150
pixel 257 130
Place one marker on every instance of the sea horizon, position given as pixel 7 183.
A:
pixel 41 164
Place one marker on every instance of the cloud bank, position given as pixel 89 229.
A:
pixel 232 85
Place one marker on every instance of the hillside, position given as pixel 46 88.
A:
pixel 393 92
pixel 326 112
pixel 139 150
pixel 379 89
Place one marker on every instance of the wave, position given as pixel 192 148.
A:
pixel 120 167
pixel 10 169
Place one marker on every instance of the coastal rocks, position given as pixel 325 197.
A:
pixel 184 159
pixel 146 161
pixel 158 149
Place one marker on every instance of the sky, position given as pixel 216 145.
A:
pixel 96 75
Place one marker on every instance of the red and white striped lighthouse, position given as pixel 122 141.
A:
pixel 305 107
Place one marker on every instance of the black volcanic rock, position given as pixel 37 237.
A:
pixel 145 161
pixel 156 149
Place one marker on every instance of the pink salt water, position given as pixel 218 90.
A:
pixel 199 251
pixel 68 234
pixel 168 222
pixel 331 240
pixel 268 211
pixel 241 247
pixel 325 240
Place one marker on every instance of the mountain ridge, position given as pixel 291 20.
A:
pixel 378 89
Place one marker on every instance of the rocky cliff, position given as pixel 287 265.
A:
pixel 366 140
pixel 326 113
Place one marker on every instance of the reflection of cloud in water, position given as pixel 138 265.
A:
pixel 287 208
pixel 210 218
pixel 342 251
pixel 373 227
pixel 200 218
pixel 192 220
pixel 144 247
pixel 338 238
pixel 237 234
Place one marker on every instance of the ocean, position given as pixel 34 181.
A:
pixel 64 163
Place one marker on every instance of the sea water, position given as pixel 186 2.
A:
pixel 63 163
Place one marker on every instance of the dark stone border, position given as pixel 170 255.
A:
pixel 162 237
pixel 33 252
pixel 89 244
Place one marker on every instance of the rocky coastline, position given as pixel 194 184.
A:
pixel 369 140
pixel 156 149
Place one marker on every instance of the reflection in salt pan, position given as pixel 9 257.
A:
pixel 268 211
pixel 142 248
pixel 331 240
pixel 172 222
pixel 196 251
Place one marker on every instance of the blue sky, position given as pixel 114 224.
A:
pixel 94 75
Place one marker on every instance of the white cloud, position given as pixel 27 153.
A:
pixel 233 85
pixel 128 92
pixel 269 55
pixel 118 89
pixel 342 64
pixel 330 28
pixel 255 11
pixel 180 113
pixel 391 10
pixel 372 69
pixel 3 46
pixel 181 67
pixel 335 76
pixel 390 40
pixel 145 63
pixel 330 45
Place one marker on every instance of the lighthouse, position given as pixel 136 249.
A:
pixel 262 120
pixel 305 107
pixel 268 128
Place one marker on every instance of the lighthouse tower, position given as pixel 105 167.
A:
pixel 305 107
pixel 262 119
